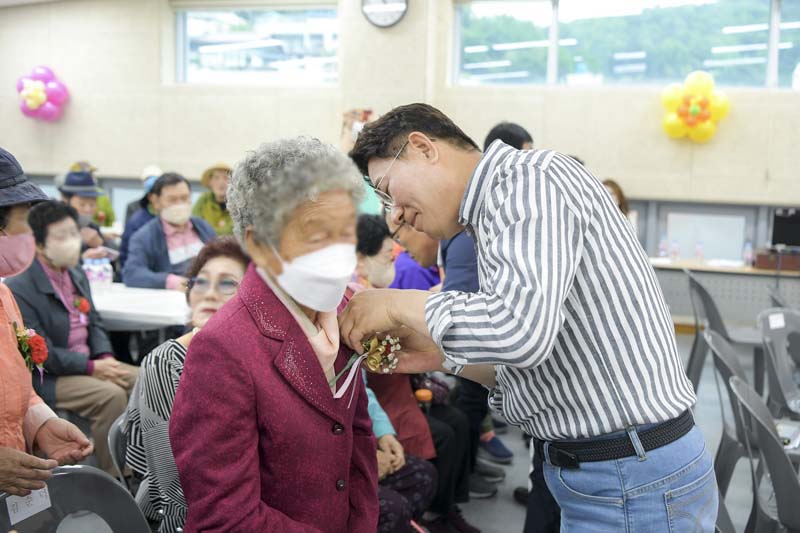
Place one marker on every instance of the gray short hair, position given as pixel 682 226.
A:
pixel 269 183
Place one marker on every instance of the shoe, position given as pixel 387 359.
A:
pixel 440 525
pixel 479 488
pixel 521 495
pixel 495 451
pixel 500 426
pixel 489 472
pixel 456 520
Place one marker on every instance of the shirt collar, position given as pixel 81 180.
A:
pixel 170 230
pixel 478 185
pixel 56 276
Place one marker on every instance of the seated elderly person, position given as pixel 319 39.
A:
pixel 81 374
pixel 261 440
pixel 214 278
pixel 81 191
pixel 139 212
pixel 161 250
pixel 212 205
pixel 28 424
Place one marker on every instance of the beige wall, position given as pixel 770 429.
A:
pixel 117 58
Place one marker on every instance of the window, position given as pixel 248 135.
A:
pixel 502 42
pixel 285 46
pixel 625 41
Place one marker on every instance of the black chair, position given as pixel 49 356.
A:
pixel 779 327
pixel 755 416
pixel 707 315
pixel 81 494
pixel 724 522
pixel 117 444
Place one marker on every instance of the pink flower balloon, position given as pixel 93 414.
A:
pixel 21 83
pixel 56 92
pixel 50 112
pixel 27 111
pixel 42 73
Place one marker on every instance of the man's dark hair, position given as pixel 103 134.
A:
pixel 512 134
pixel 168 179
pixel 48 212
pixel 371 232
pixel 384 137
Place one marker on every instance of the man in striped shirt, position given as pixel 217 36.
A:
pixel 569 330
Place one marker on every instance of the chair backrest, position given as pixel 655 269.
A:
pixel 785 483
pixel 705 310
pixel 726 363
pixel 77 491
pixel 117 444
pixel 776 298
pixel 724 522
pixel 777 324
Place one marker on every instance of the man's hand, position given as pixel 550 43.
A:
pixel 381 311
pixel 110 369
pixel 389 444
pixel 63 442
pixel 91 237
pixel 94 253
pixel 21 473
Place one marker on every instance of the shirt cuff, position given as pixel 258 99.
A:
pixel 35 417
pixel 174 282
pixel 438 320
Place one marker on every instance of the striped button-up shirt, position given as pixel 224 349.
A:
pixel 569 310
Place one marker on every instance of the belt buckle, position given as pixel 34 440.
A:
pixel 562 458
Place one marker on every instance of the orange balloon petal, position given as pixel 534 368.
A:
pixel 704 115
pixel 683 111
pixel 704 102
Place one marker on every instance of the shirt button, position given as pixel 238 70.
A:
pixel 338 429
pixel 340 485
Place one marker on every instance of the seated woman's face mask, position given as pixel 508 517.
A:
pixel 318 280
pixel 63 253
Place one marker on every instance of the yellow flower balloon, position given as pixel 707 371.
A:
pixel 702 132
pixel 720 106
pixel 674 126
pixel 699 83
pixel 672 96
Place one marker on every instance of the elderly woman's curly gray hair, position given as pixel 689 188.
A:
pixel 273 180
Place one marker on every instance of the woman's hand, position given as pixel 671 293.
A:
pixel 20 473
pixel 384 465
pixel 63 441
pixel 390 445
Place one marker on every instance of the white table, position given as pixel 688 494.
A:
pixel 127 309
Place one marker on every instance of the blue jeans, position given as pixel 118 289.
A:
pixel 669 489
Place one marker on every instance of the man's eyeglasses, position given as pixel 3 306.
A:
pixel 396 232
pixel 386 200
pixel 226 287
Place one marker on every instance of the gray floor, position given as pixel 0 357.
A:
pixel 501 514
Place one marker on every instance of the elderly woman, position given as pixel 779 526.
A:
pixel 27 424
pixel 214 278
pixel 261 441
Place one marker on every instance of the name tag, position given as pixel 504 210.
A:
pixel 22 507
pixel 777 321
pixel 179 255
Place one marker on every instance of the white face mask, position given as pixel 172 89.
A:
pixel 379 274
pixel 318 280
pixel 65 253
pixel 177 214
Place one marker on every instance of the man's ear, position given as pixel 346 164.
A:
pixel 424 145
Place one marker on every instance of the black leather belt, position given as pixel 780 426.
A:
pixel 571 454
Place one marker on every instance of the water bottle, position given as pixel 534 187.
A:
pixel 747 253
pixel 675 251
pixel 105 273
pixel 663 247
pixel 698 250
pixel 89 270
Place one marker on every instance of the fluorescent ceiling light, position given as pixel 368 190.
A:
pixel 630 68
pixel 477 49
pixel 750 28
pixel 736 61
pixel 488 64
pixel 620 56
pixel 747 48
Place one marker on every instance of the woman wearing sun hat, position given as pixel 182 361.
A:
pixel 212 204
pixel 27 424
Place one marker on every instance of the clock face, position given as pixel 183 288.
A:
pixel 384 13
